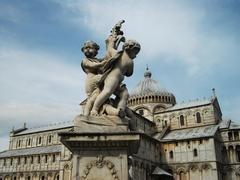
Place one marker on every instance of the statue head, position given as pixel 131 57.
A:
pixel 90 49
pixel 132 48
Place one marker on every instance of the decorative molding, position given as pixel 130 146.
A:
pixel 100 163
pixel 193 167
pixel 206 166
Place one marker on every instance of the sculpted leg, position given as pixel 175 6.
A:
pixel 90 102
pixel 110 85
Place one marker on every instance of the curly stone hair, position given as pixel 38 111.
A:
pixel 90 43
pixel 131 44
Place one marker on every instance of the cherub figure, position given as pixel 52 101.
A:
pixel 93 67
pixel 112 83
pixel 105 76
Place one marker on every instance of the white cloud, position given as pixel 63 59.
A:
pixel 37 87
pixel 38 74
pixel 35 114
pixel 170 29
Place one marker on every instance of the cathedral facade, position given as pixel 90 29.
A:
pixel 192 142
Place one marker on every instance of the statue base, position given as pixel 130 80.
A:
pixel 103 148
pixel 100 156
pixel 100 124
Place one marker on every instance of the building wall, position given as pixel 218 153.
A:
pixel 173 118
pixel 42 166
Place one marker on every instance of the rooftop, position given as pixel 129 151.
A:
pixel 59 125
pixel 31 151
pixel 191 133
pixel 191 103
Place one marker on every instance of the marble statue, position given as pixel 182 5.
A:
pixel 105 76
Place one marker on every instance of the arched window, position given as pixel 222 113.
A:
pixel 39 140
pixel 195 153
pixel 57 177
pixel 171 154
pixel 198 117
pixel 42 178
pixel 181 120
pixel 53 158
pixel 15 178
pixel 29 178
pixel 31 159
pixel 11 161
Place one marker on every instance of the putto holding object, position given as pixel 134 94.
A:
pixel 105 76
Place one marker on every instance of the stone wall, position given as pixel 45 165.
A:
pixel 189 118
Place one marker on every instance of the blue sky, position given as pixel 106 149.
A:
pixel 190 47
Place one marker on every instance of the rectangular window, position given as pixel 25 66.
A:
pixel 29 142
pixel 39 140
pixel 46 158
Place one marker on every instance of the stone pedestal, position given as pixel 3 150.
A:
pixel 100 147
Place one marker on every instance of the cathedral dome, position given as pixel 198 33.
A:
pixel 149 91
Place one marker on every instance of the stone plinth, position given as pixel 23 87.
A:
pixel 100 147
pixel 100 156
pixel 100 124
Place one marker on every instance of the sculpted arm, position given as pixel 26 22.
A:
pixel 87 64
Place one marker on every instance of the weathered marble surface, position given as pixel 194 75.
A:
pixel 100 124
pixel 105 75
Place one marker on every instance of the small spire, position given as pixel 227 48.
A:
pixel 214 92
pixel 24 125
